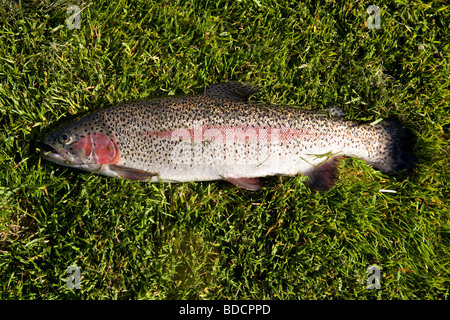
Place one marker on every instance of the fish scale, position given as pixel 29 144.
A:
pixel 220 135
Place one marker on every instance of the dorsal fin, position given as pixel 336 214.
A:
pixel 232 90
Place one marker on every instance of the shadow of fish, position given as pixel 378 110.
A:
pixel 221 136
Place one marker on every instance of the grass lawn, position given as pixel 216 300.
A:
pixel 135 240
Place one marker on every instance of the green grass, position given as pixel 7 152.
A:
pixel 212 240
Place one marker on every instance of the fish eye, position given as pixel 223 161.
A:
pixel 64 138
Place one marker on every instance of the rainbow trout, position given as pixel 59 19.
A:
pixel 221 136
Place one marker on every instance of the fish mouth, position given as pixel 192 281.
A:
pixel 54 156
pixel 60 156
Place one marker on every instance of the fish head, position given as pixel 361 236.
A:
pixel 84 144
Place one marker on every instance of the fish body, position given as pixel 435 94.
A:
pixel 221 136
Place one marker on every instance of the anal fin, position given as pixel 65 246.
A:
pixel 131 173
pixel 324 176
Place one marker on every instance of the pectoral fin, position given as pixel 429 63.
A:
pixel 132 174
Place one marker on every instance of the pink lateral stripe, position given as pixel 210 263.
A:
pixel 240 134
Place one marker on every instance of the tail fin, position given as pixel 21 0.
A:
pixel 397 151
